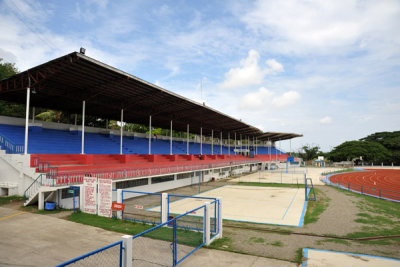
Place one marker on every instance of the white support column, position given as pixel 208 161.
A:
pixel 170 140
pixel 241 144
pixel 119 200
pixel 83 127
pixel 187 140
pixel 269 150
pixel 235 143
pixel 220 144
pixel 256 147
pixel 41 200
pixel 219 217
pixel 164 207
pixel 127 252
pixel 76 119
pixel 150 135
pixel 201 140
pixel 122 130
pixel 81 197
pixel 207 226
pixel 33 114
pixel 212 142
pixel 28 94
pixel 229 143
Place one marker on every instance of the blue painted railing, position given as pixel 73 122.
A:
pixel 10 146
pixel 100 260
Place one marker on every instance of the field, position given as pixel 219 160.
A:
pixel 339 220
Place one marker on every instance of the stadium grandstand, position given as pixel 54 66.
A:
pixel 42 160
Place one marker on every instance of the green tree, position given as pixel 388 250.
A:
pixel 309 152
pixel 9 109
pixel 368 150
pixel 7 69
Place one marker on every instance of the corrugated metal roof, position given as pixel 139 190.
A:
pixel 63 84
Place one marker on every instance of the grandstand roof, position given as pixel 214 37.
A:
pixel 63 84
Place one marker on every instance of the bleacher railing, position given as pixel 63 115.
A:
pixel 10 146
pixel 57 178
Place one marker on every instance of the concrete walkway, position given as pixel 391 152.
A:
pixel 28 239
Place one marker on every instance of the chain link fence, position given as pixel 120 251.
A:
pixel 108 256
pixel 139 206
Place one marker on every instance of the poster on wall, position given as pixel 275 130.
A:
pixel 104 197
pixel 90 195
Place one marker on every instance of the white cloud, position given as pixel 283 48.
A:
pixel 275 66
pixel 325 120
pixel 249 72
pixel 286 100
pixel 312 26
pixel 257 99
pixel 264 98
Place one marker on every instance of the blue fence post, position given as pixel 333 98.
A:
pixel 174 246
pixel 305 187
pixel 73 198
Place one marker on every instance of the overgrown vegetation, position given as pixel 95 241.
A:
pixel 299 256
pixel 378 218
pixel 277 243
pixel 257 239
pixel 339 171
pixel 184 237
pixel 224 243
pixel 9 199
pixel 334 240
pixel 316 208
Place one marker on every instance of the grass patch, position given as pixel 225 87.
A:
pixel 379 218
pixel 184 237
pixel 340 171
pixel 224 243
pixel 277 244
pixel 316 208
pixel 257 239
pixel 45 212
pixel 299 256
pixel 334 240
pixel 9 199
pixel 374 220
pixel 271 184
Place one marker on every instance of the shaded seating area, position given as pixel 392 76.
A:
pixel 50 141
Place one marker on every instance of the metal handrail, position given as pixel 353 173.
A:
pixel 32 184
pixel 76 177
pixel 10 146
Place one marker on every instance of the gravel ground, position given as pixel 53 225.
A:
pixel 337 219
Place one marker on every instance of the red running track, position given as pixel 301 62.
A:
pixel 379 183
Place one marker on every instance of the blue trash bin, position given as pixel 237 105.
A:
pixel 49 205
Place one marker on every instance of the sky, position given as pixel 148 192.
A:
pixel 329 70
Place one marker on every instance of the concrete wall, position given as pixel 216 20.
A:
pixel 208 175
pixel 15 173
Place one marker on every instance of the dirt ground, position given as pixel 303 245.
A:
pixel 338 219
